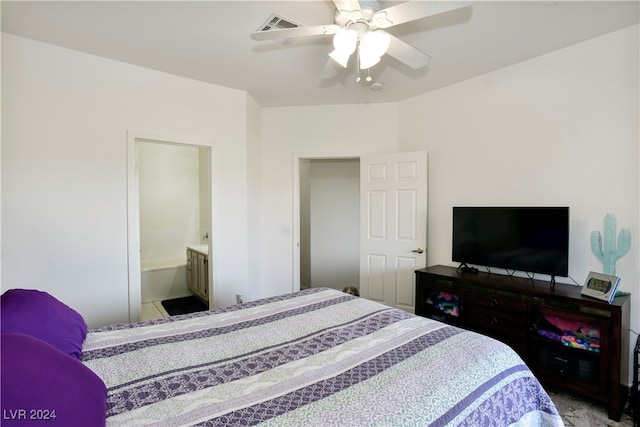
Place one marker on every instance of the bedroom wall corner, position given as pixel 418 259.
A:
pixel 252 290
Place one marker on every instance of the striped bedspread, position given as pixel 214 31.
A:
pixel 313 358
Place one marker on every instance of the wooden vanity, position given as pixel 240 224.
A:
pixel 198 271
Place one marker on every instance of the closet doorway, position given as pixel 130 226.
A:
pixel 170 205
pixel 392 226
pixel 329 222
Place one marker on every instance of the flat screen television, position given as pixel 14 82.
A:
pixel 528 239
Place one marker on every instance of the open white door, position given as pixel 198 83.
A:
pixel 393 226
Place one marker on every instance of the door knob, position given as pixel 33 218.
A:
pixel 419 250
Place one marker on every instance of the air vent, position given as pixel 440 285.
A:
pixel 278 22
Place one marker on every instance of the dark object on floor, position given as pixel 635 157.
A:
pixel 351 290
pixel 184 305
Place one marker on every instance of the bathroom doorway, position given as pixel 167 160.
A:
pixel 170 208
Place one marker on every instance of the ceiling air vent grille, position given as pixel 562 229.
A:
pixel 278 22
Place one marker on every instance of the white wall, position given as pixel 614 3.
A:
pixel 314 130
pixel 560 129
pixel 64 170
pixel 170 208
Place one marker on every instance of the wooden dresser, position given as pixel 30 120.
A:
pixel 517 310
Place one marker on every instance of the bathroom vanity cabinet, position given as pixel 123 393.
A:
pixel 198 271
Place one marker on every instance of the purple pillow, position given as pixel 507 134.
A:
pixel 40 385
pixel 40 315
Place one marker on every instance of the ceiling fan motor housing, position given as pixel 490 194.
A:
pixel 346 18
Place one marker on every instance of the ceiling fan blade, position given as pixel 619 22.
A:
pixel 412 10
pixel 285 33
pixel 407 54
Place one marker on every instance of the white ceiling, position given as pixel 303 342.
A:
pixel 209 41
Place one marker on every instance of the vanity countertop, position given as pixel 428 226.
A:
pixel 203 249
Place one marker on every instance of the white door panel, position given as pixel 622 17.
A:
pixel 393 226
pixel 377 268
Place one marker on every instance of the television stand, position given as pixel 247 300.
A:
pixel 518 312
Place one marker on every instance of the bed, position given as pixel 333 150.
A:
pixel 318 357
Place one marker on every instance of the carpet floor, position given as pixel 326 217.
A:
pixel 184 305
pixel 578 412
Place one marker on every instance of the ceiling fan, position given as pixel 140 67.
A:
pixel 361 26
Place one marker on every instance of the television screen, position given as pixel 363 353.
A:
pixel 529 239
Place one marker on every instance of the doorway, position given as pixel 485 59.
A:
pixel 329 222
pixel 169 207
pixel 392 224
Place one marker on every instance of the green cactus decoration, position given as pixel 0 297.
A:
pixel 609 253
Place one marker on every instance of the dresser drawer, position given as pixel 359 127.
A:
pixel 497 323
pixel 435 282
pixel 496 304
pixel 497 316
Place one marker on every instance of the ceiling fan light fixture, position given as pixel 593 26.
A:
pixel 340 58
pixel 344 43
pixel 367 61
pixel 373 45
pixel 345 40
pixel 376 41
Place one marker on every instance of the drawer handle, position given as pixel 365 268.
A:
pixel 494 321
pixel 494 303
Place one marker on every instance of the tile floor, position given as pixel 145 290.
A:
pixel 153 310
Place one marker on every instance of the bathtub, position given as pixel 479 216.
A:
pixel 163 279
